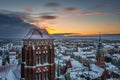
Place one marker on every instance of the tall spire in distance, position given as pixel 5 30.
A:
pixel 100 54
pixel 100 47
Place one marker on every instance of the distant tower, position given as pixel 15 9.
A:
pixel 38 56
pixel 100 54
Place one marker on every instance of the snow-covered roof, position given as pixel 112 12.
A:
pixel 11 76
pixel 85 54
pixel 112 68
pixel 95 72
pixel 96 69
pixel 116 55
pixel 36 33
pixel 75 63
pixel 109 46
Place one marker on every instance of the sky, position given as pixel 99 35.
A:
pixel 67 17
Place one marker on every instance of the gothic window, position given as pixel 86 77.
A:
pixel 40 59
pixel 38 76
pixel 45 75
pixel 46 58
pixel 37 59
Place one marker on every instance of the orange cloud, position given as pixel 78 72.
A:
pixel 91 13
pixel 63 15
pixel 29 9
pixel 100 6
pixel 70 10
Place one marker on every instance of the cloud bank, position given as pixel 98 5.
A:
pixel 12 26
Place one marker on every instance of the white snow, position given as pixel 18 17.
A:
pixel 11 76
pixel 75 64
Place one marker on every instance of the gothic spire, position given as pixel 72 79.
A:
pixel 100 47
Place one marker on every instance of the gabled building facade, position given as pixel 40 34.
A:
pixel 38 56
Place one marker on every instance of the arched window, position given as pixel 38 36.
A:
pixel 46 57
pixel 45 75
pixel 37 59
pixel 40 59
pixel 38 76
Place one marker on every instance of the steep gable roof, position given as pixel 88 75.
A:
pixel 36 33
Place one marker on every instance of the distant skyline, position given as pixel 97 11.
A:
pixel 74 17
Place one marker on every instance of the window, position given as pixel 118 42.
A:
pixel 46 75
pixel 40 59
pixel 37 59
pixel 38 76
pixel 46 58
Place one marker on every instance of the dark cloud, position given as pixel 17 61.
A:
pixel 48 17
pixel 68 34
pixel 14 13
pixel 100 6
pixel 70 10
pixel 52 4
pixel 12 26
pixel 47 13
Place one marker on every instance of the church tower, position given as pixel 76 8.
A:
pixel 38 56
pixel 100 54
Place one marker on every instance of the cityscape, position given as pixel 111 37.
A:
pixel 59 40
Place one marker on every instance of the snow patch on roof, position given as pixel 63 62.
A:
pixel 36 33
pixel 11 76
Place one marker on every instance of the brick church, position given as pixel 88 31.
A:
pixel 38 56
